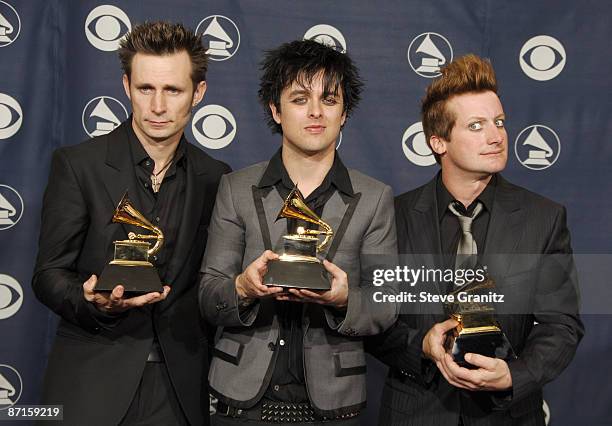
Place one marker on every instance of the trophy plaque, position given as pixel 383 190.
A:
pixel 478 330
pixel 131 267
pixel 298 266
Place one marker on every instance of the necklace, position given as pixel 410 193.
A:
pixel 155 181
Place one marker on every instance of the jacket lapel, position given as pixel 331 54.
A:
pixel 505 230
pixel 424 228
pixel 119 175
pixel 195 195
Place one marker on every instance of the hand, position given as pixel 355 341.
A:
pixel 433 342
pixel 249 284
pixel 336 296
pixel 492 374
pixel 114 302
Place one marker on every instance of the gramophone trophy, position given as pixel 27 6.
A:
pixel 298 266
pixel 131 267
pixel 478 331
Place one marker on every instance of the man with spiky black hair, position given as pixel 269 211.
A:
pixel 297 355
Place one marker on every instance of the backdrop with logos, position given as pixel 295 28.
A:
pixel 60 83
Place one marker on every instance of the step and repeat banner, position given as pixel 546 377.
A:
pixel 60 83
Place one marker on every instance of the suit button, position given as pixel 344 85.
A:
pixel 276 388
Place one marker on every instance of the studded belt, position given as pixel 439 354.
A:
pixel 278 412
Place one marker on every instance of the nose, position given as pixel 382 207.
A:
pixel 496 135
pixel 314 109
pixel 158 103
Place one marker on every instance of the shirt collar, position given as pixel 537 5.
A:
pixel 486 197
pixel 337 175
pixel 139 155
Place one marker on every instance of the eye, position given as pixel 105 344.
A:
pixel 299 101
pixel 105 25
pixel 146 90
pixel 11 296
pixel 173 91
pixel 330 101
pixel 500 122
pixel 10 116
pixel 477 125
pixel 214 126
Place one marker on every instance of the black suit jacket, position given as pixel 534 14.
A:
pixel 538 289
pixel 96 363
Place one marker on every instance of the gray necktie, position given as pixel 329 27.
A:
pixel 467 249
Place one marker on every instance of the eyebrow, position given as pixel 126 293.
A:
pixel 150 86
pixel 477 117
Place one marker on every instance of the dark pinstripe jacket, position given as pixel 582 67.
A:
pixel 540 314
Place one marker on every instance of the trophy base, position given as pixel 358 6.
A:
pixel 134 279
pixel 306 275
pixel 493 344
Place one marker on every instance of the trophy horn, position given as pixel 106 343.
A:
pixel 127 213
pixel 295 207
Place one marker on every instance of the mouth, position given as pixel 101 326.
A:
pixel 493 153
pixel 315 129
pixel 158 123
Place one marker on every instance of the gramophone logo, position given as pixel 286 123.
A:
pixel 220 35
pixel 542 58
pixel 102 115
pixel 214 126
pixel 11 116
pixel 428 52
pixel 11 207
pixel 10 24
pixel 537 147
pixel 327 35
pixel 415 146
pixel 11 386
pixel 105 26
pixel 11 296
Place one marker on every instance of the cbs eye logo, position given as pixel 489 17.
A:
pixel 214 126
pixel 11 296
pixel 328 36
pixel 415 146
pixel 542 58
pixel 105 25
pixel 11 116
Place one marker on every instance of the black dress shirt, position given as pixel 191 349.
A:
pixel 164 208
pixel 288 383
pixel 450 229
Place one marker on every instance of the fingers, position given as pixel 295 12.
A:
pixel 88 288
pixel 447 325
pixel 481 361
pixel 336 272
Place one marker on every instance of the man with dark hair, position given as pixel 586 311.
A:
pixel 296 356
pixel 119 359
pixel 469 212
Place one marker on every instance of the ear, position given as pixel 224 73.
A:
pixel 343 119
pixel 126 86
pixel 198 94
pixel 437 144
pixel 276 115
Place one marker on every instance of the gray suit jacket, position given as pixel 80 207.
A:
pixel 334 360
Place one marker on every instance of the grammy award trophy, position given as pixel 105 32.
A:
pixel 298 266
pixel 478 330
pixel 131 267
